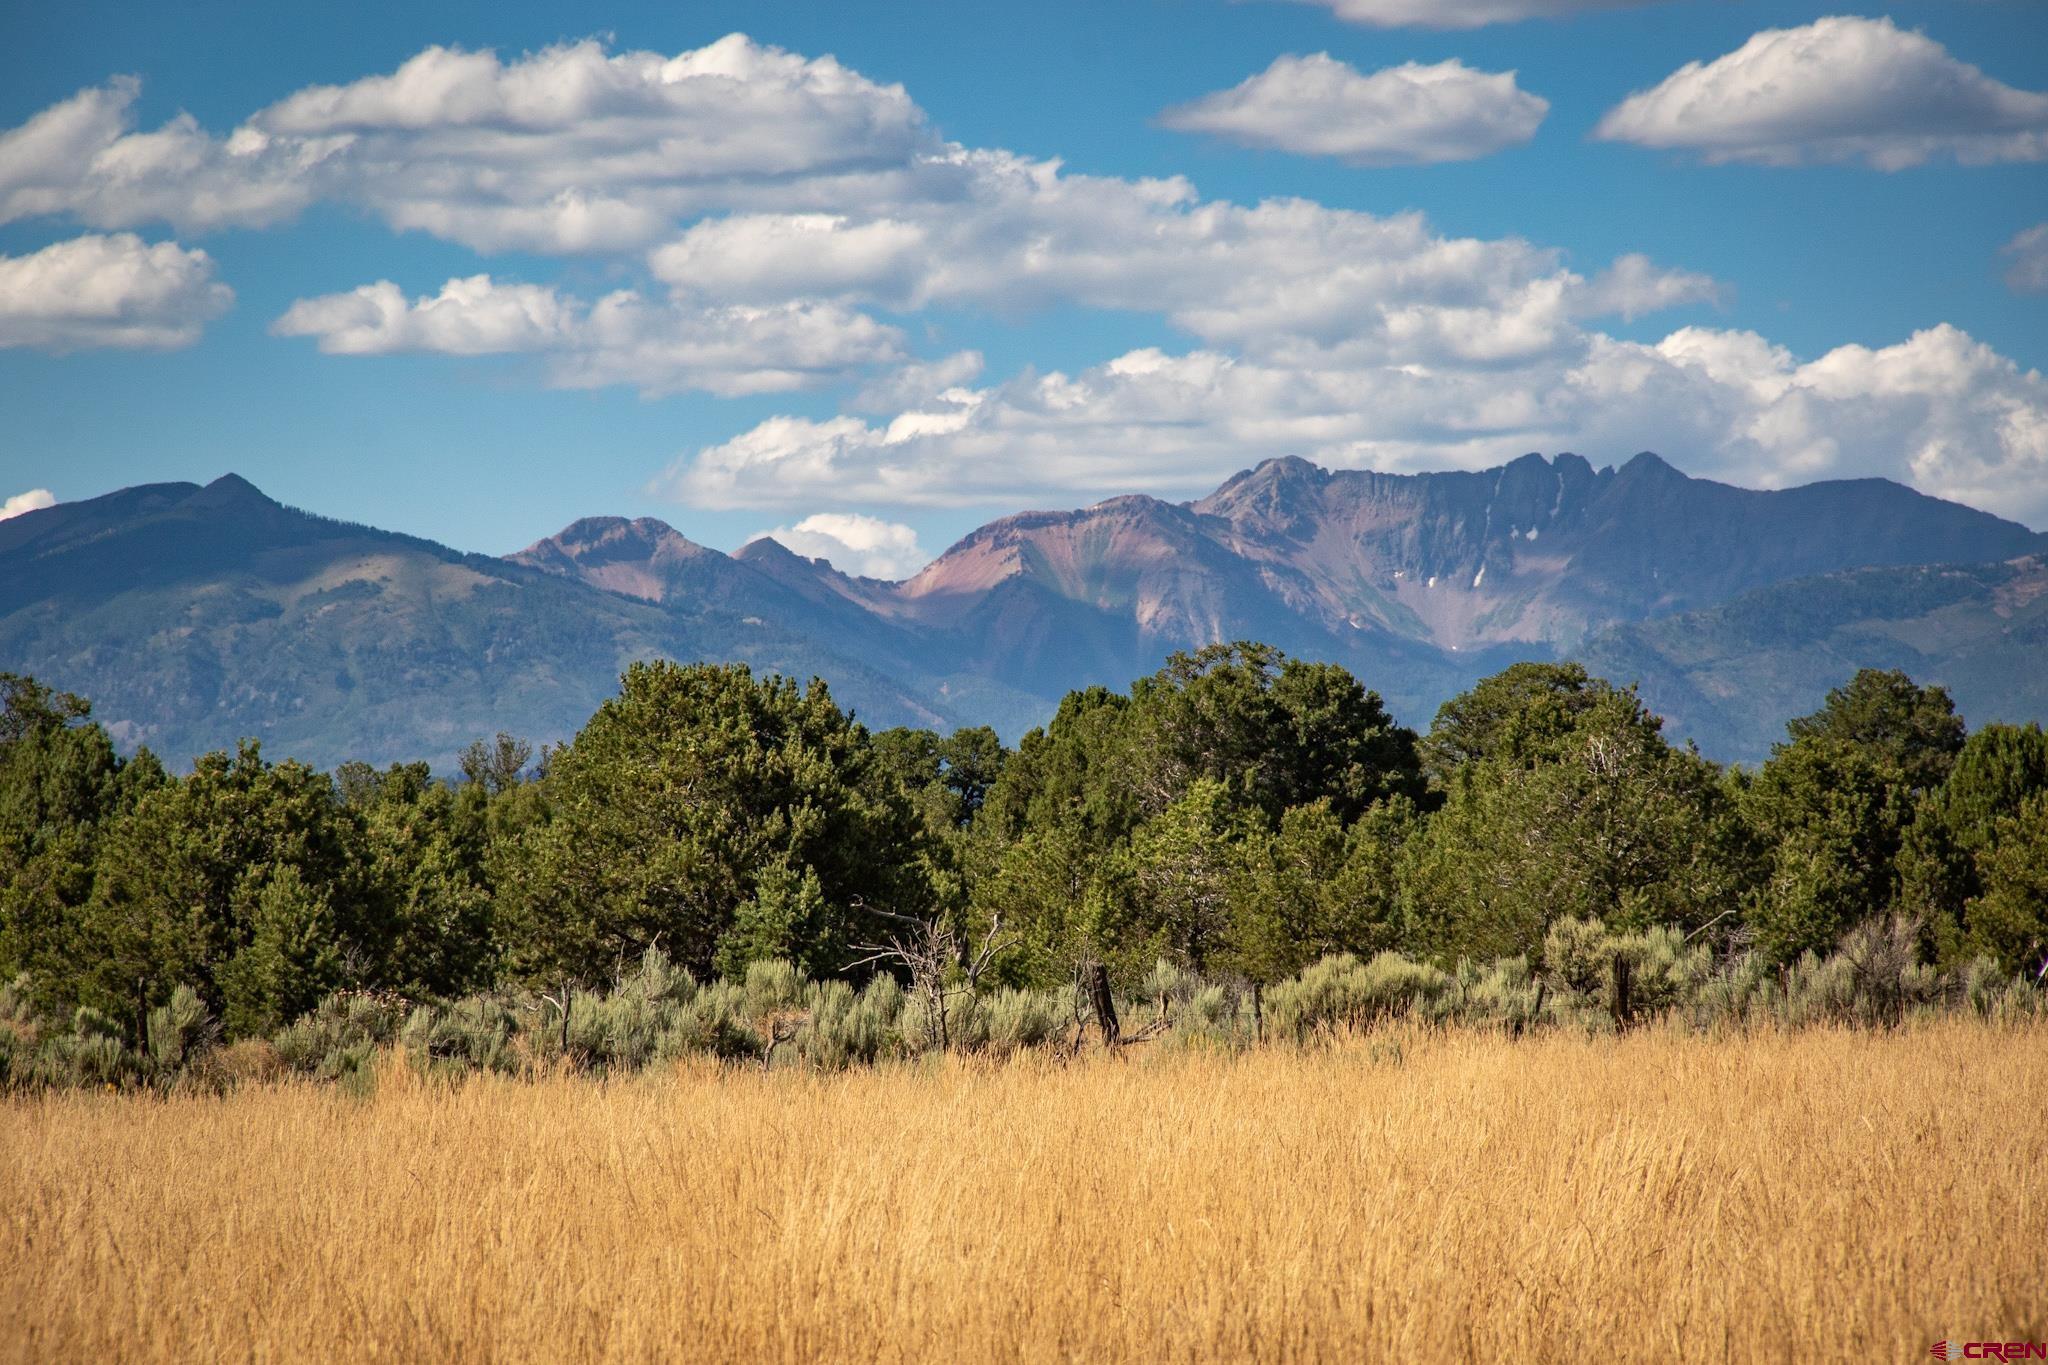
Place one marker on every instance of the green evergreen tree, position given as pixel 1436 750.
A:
pixel 1312 888
pixel 173 898
pixel 426 849
pixel 1913 730
pixel 2009 920
pixel 1075 769
pixel 1044 889
pixel 1618 826
pixel 1180 869
pixel 1274 732
pixel 292 957
pixel 1831 817
pixel 785 918
pixel 1998 769
pixel 1524 715
pixel 660 819
pixel 61 785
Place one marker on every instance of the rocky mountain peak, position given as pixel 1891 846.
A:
pixel 1419 583
pixel 1280 497
pixel 642 557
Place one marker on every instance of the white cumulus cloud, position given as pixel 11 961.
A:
pixel 34 500
pixel 622 338
pixel 794 190
pixel 84 157
pixel 568 149
pixel 1405 115
pixel 1459 13
pixel 1840 89
pixel 865 546
pixel 118 290
pixel 918 382
pixel 777 200
pixel 1282 276
pixel 761 178
pixel 1635 285
pixel 1939 411
pixel 2028 252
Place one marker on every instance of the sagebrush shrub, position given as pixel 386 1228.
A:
pixel 344 1028
pixel 657 1013
pixel 1340 990
pixel 473 1034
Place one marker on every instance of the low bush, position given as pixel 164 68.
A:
pixel 657 1014
pixel 450 1041
pixel 1341 990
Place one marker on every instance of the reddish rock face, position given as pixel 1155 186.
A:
pixel 1535 553
pixel 642 558
pixel 194 616
pixel 1418 582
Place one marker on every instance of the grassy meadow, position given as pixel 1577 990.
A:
pixel 1825 1193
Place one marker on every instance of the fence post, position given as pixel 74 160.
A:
pixel 1104 1005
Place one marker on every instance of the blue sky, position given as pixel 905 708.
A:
pixel 1837 284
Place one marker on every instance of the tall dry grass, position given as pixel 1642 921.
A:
pixel 1813 1195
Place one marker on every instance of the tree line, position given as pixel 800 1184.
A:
pixel 1239 814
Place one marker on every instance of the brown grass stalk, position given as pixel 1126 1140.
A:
pixel 1824 1194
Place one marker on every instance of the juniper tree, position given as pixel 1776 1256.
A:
pixel 1615 825
pixel 61 785
pixel 1830 816
pixel 178 881
pixel 697 793
pixel 1911 729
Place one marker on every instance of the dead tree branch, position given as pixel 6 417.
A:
pixel 940 965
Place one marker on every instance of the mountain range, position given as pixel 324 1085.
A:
pixel 196 615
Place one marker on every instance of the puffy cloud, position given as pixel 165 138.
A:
pixel 2028 273
pixel 83 157
pixel 1283 276
pixel 1406 115
pixel 565 150
pixel 108 291
pixel 777 196
pixel 1459 13
pixel 1839 89
pixel 34 500
pixel 795 188
pixel 800 253
pixel 1939 411
pixel 1635 285
pixel 766 179
pixel 622 338
pixel 919 382
pixel 474 316
pixel 867 547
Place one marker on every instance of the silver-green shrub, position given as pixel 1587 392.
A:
pixel 772 987
pixel 842 1029
pixel 450 1041
pixel 1011 1020
pixel 342 1035
pixel 715 1022
pixel 178 1031
pixel 1340 990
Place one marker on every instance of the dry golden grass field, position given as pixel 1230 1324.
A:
pixel 1825 1195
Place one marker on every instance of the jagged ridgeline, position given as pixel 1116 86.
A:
pixel 1240 847
pixel 198 616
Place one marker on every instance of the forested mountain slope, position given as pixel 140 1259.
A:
pixel 198 615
